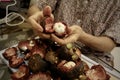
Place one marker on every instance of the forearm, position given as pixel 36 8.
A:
pixel 98 43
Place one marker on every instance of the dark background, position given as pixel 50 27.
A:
pixel 21 6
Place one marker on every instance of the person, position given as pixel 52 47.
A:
pixel 93 24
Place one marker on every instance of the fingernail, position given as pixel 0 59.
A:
pixel 47 11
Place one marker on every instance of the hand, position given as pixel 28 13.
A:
pixel 74 33
pixel 37 18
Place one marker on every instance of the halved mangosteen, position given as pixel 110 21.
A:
pixel 8 53
pixel 26 46
pixel 38 50
pixel 15 61
pixel 21 74
pixel 40 76
pixel 60 29
pixel 70 69
pixel 97 72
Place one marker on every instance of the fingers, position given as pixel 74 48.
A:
pixel 47 11
pixel 35 25
pixel 45 36
pixel 71 38
pixel 42 35
pixel 38 17
pixel 56 39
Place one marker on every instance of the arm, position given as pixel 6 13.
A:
pixel 76 33
pixel 101 43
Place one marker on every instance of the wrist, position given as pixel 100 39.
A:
pixel 83 36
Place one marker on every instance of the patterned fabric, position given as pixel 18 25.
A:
pixel 97 17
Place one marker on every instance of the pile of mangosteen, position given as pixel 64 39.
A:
pixel 44 58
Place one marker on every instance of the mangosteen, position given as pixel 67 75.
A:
pixel 26 45
pixel 97 72
pixel 49 25
pixel 70 69
pixel 51 57
pixel 60 29
pixel 21 74
pixel 15 61
pixel 38 50
pixel 36 63
pixel 8 53
pixel 40 76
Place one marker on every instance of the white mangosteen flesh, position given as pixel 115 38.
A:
pixel 59 28
pixel 31 43
pixel 70 64
pixel 37 37
pixel 24 48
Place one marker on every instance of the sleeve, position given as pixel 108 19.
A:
pixel 113 30
pixel 43 3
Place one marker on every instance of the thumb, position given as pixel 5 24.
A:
pixel 47 11
pixel 56 39
pixel 35 25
